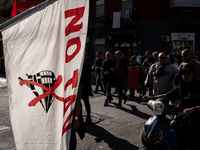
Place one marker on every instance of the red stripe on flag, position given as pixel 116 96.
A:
pixel 65 128
pixel 69 99
pixel 73 80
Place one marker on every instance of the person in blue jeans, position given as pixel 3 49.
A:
pixel 107 73
pixel 97 67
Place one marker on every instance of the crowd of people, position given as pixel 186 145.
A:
pixel 137 73
pixel 163 76
pixel 185 94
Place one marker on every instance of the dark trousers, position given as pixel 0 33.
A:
pixel 87 104
pixel 120 84
pixel 73 141
pixel 107 87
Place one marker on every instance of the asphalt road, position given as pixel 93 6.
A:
pixel 6 136
pixel 112 128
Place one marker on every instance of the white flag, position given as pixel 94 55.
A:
pixel 43 58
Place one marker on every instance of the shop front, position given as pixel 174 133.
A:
pixel 127 44
pixel 181 41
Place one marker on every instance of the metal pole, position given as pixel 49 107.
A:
pixel 26 14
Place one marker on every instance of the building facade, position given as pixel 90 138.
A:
pixel 168 25
pixel 137 25
pixel 5 9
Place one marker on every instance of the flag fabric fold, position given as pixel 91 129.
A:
pixel 43 59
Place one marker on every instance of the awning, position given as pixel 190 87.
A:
pixel 125 45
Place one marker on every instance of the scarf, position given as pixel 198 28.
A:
pixel 161 70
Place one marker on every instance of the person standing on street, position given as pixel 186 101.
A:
pixel 107 74
pixel 78 125
pixel 87 89
pixel 97 67
pixel 138 57
pixel 146 64
pixel 172 61
pixel 155 56
pixel 160 76
pixel 187 57
pixel 132 66
pixel 121 77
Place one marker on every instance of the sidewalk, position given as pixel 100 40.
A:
pixel 114 128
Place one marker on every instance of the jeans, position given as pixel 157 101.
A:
pixel 98 81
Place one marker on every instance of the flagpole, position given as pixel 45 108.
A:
pixel 26 14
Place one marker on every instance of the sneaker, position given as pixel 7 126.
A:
pixel 102 91
pixel 115 92
pixel 131 96
pixel 106 104
pixel 88 120
pixel 95 92
pixel 141 96
pixel 119 105
pixel 110 100
pixel 125 99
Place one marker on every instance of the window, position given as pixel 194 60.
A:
pixel 100 46
pixel 100 8
pixel 126 5
pixel 127 9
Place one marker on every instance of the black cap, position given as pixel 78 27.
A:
pixel 187 67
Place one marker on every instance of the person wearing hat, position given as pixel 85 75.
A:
pixel 188 92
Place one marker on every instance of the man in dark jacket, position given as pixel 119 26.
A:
pixel 107 73
pixel 121 77
pixel 87 89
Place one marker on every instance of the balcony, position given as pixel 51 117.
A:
pixel 185 15
pixel 184 3
pixel 99 22
pixel 106 21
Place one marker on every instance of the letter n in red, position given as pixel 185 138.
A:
pixel 78 13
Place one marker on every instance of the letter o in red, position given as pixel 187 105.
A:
pixel 71 42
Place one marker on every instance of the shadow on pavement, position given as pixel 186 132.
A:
pixel 134 111
pixel 113 142
pixel 138 113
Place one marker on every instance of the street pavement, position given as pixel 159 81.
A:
pixel 6 135
pixel 111 128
